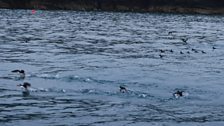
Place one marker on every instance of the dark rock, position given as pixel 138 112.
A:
pixel 173 6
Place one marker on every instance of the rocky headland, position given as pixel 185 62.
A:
pixel 167 6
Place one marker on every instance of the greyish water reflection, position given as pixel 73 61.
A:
pixel 76 62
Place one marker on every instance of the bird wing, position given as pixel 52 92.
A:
pixel 15 71
pixel 27 84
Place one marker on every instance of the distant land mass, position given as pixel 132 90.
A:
pixel 167 6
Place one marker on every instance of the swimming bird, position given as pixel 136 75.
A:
pixel 194 50
pixel 21 73
pixel 123 89
pixel 25 87
pixel 162 51
pixel 214 48
pixel 178 94
pixel 161 56
pixel 170 32
pixel 181 52
pixel 203 52
pixel 184 40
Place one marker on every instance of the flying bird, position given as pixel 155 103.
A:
pixel 25 87
pixel 123 89
pixel 20 72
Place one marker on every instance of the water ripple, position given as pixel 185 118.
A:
pixel 76 61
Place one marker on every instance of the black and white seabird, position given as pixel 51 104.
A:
pixel 203 52
pixel 184 40
pixel 162 51
pixel 21 73
pixel 178 94
pixel 123 89
pixel 25 87
pixel 170 32
pixel 161 56
pixel 194 50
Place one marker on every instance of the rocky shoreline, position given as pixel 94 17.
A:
pixel 166 6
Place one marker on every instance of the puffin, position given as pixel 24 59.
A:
pixel 123 89
pixel 178 94
pixel 25 87
pixel 20 72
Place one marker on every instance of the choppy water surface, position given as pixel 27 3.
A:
pixel 76 62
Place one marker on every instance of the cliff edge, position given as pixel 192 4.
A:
pixel 167 6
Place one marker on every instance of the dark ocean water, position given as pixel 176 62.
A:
pixel 76 61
